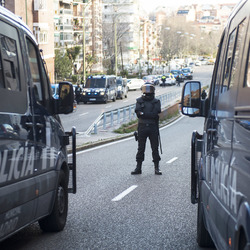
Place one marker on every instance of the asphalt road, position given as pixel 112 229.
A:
pixel 155 212
pixel 86 114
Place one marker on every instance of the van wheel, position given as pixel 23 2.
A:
pixel 242 241
pixel 203 236
pixel 56 221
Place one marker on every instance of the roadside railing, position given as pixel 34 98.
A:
pixel 110 119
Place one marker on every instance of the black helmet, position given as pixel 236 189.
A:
pixel 148 89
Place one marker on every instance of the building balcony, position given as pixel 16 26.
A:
pixel 66 1
pixel 66 12
pixel 78 28
pixel 77 1
pixel 67 27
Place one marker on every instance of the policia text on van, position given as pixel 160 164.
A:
pixel 34 170
pixel 220 175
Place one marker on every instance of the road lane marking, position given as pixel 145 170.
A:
pixel 109 106
pixel 84 114
pixel 172 160
pixel 124 193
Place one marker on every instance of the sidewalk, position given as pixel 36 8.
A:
pixel 84 141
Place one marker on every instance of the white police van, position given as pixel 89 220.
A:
pixel 34 169
pixel 220 175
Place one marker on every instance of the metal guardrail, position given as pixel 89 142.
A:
pixel 125 114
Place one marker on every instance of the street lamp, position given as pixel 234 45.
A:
pixel 115 30
pixel 83 38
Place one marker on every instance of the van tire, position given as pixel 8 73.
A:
pixel 56 221
pixel 203 236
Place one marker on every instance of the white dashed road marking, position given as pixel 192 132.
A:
pixel 124 193
pixel 172 160
pixel 84 114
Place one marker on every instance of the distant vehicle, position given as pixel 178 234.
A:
pixel 101 88
pixel 191 66
pixel 153 79
pixel 135 83
pixel 211 61
pixel 148 79
pixel 55 90
pixel 187 73
pixel 169 81
pixel 197 63
pixel 178 75
pixel 122 87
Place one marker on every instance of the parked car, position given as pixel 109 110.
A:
pixel 178 75
pixel 187 73
pixel 197 63
pixel 169 81
pixel 135 83
pixel 122 87
pixel 148 79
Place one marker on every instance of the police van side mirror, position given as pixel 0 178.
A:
pixel 65 101
pixel 191 99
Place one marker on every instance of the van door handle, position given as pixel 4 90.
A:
pixel 39 125
pixel 29 124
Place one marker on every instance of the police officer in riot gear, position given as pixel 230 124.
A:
pixel 147 110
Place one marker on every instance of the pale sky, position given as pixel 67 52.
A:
pixel 152 4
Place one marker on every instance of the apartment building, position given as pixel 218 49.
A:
pixel 122 16
pixel 76 20
pixel 38 15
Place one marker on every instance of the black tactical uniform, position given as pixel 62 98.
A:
pixel 78 92
pixel 147 110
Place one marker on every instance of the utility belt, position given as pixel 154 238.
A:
pixel 146 121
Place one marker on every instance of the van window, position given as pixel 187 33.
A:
pixel 95 83
pixel 9 64
pixel 12 74
pixel 218 71
pixel 247 74
pixel 229 59
pixel 34 68
pixel 240 40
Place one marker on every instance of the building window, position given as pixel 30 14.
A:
pixel 2 3
pixel 43 37
pixel 40 4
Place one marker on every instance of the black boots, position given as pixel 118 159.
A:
pixel 157 170
pixel 137 169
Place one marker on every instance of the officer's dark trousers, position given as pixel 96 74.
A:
pixel 148 131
